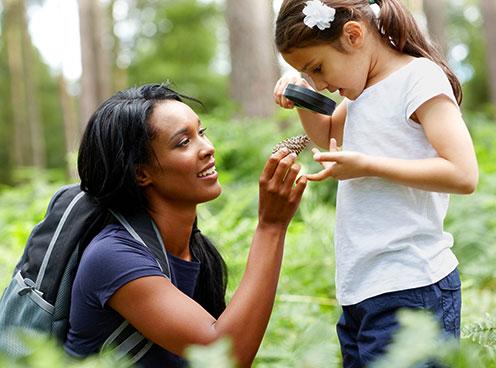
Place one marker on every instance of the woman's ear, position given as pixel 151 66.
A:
pixel 353 34
pixel 143 177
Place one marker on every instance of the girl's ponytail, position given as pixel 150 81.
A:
pixel 399 29
pixel 212 281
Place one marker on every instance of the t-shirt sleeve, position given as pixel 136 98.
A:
pixel 111 262
pixel 427 82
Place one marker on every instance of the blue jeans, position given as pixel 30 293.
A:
pixel 365 329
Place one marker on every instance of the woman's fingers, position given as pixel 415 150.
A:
pixel 288 181
pixel 272 164
pixel 282 168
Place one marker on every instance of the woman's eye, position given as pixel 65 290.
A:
pixel 317 69
pixel 184 142
pixel 202 131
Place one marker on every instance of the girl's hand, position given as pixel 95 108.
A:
pixel 339 165
pixel 281 85
pixel 279 197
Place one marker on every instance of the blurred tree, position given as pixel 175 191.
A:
pixel 177 41
pixel 468 52
pixel 254 68
pixel 435 13
pixel 489 16
pixel 120 77
pixel 29 145
pixel 71 127
pixel 5 114
pixel 95 57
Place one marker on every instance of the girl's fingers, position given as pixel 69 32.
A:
pixel 321 175
pixel 328 156
pixel 333 145
pixel 288 104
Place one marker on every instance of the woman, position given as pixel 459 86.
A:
pixel 146 149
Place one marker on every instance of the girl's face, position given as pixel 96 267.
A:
pixel 183 169
pixel 331 69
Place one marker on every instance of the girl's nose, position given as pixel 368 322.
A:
pixel 320 85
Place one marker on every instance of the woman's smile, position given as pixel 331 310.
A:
pixel 208 173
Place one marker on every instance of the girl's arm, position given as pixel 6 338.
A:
pixel 169 318
pixel 454 170
pixel 319 128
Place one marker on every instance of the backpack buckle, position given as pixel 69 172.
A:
pixel 30 286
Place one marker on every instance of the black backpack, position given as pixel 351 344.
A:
pixel 38 296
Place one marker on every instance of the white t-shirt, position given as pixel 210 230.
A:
pixel 388 236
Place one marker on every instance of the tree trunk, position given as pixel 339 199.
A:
pixel 435 13
pixel 95 59
pixel 489 14
pixel 13 16
pixel 253 55
pixel 71 128
pixel 34 122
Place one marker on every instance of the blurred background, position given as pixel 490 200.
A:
pixel 59 59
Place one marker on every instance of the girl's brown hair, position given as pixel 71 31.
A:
pixel 397 26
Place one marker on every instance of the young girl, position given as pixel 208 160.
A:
pixel 146 150
pixel 404 147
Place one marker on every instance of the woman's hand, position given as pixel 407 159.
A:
pixel 281 85
pixel 279 197
pixel 338 164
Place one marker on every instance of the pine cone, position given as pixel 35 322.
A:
pixel 295 144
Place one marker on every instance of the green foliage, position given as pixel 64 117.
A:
pixel 419 341
pixel 482 332
pixel 301 330
pixel 407 349
pixel 465 24
pixel 471 218
pixel 216 355
pixel 46 353
pixel 182 48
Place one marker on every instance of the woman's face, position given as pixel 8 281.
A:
pixel 182 166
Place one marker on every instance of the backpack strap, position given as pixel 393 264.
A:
pixel 53 240
pixel 126 340
pixel 143 229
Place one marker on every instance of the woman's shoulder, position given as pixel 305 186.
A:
pixel 112 259
pixel 113 247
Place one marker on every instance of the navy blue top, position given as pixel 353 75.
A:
pixel 111 260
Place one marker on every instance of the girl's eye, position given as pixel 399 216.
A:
pixel 202 131
pixel 317 69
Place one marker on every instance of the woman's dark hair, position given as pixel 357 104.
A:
pixel 397 26
pixel 116 142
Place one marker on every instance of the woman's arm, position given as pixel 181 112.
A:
pixel 453 171
pixel 169 318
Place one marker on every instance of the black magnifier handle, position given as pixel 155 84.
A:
pixel 308 99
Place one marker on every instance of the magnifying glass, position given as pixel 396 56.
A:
pixel 308 99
